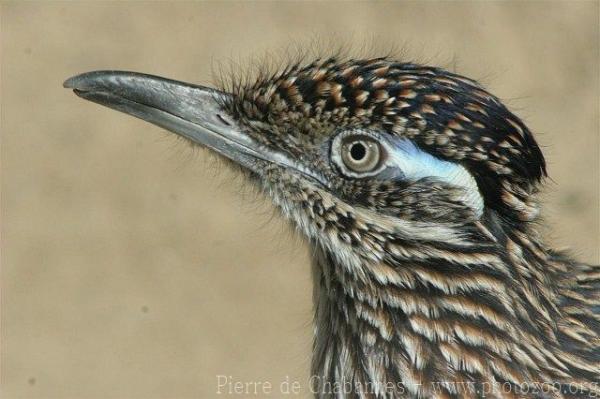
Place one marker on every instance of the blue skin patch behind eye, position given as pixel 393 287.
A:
pixel 415 164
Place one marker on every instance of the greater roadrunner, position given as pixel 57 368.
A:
pixel 416 188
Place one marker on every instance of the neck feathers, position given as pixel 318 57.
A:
pixel 493 312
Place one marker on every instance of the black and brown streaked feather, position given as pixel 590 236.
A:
pixel 422 307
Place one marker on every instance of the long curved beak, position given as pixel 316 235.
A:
pixel 194 112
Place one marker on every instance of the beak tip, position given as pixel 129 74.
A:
pixel 70 83
pixel 74 83
pixel 87 80
pixel 81 81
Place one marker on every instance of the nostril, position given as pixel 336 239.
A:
pixel 223 120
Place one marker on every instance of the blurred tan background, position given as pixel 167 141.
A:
pixel 132 268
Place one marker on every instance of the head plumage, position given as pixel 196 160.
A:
pixel 449 116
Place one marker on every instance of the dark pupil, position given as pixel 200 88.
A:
pixel 358 151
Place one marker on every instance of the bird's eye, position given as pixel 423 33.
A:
pixel 358 155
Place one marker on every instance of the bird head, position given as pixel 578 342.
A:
pixel 417 188
pixel 353 151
